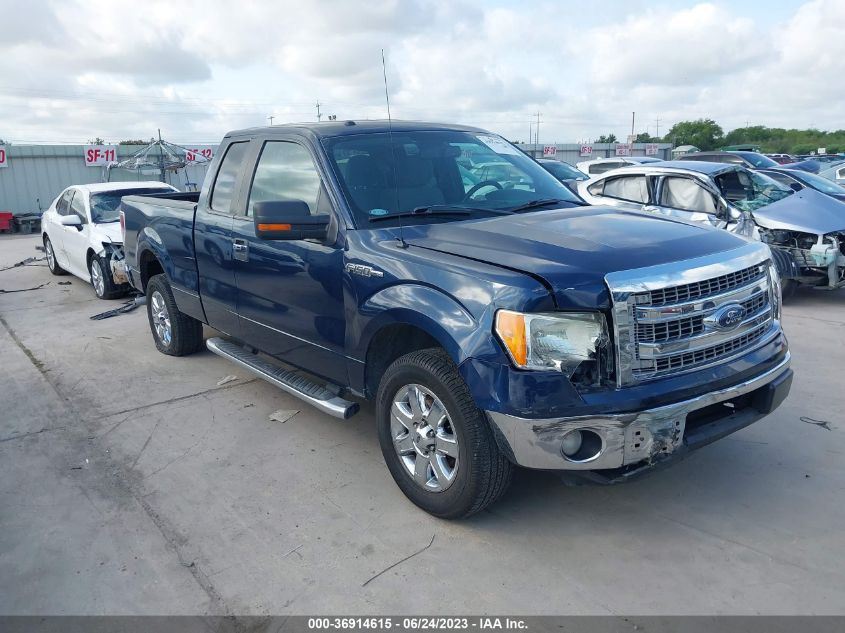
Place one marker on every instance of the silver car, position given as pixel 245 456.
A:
pixel 805 229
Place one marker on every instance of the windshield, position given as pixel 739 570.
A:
pixel 564 171
pixel 104 206
pixel 749 190
pixel 480 173
pixel 822 184
pixel 758 160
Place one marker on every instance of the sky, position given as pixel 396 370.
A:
pixel 74 70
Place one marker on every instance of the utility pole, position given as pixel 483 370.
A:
pixel 319 116
pixel 271 117
pixel 538 130
pixel 633 118
pixel 657 127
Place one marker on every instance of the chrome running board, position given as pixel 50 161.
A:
pixel 285 379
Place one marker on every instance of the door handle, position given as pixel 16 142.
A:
pixel 240 250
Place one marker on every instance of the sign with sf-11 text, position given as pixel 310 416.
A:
pixel 99 155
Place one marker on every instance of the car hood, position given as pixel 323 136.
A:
pixel 808 211
pixel 107 232
pixel 571 250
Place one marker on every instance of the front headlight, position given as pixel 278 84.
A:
pixel 552 340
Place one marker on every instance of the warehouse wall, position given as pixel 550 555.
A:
pixel 41 172
pixel 571 152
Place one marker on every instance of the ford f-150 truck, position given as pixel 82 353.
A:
pixel 493 317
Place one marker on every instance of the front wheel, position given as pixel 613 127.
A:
pixel 174 333
pixel 104 286
pixel 437 444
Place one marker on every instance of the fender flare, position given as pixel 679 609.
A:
pixel 431 310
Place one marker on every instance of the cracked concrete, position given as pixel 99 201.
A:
pixel 131 483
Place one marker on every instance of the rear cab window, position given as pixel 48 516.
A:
pixel 223 193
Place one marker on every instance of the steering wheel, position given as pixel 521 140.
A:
pixel 484 183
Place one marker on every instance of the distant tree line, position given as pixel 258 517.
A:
pixel 706 134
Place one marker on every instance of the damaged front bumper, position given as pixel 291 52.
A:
pixel 625 444
pixel 117 264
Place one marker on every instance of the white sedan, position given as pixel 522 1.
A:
pixel 81 231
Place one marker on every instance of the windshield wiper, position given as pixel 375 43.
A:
pixel 534 204
pixel 436 209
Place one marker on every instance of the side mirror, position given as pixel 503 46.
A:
pixel 288 220
pixel 796 186
pixel 71 220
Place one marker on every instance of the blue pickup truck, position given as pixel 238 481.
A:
pixel 494 318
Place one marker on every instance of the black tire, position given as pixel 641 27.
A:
pixel 185 331
pixel 52 263
pixel 107 289
pixel 483 473
pixel 788 287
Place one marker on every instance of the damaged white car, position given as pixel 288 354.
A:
pixel 81 232
pixel 804 228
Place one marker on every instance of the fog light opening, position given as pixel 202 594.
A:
pixel 571 443
pixel 581 445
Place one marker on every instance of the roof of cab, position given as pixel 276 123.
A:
pixel 99 187
pixel 327 129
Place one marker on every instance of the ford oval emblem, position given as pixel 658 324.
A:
pixel 727 317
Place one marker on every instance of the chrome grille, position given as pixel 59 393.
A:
pixel 706 288
pixel 689 326
pixel 663 327
pixel 679 361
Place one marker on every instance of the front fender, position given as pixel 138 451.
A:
pixel 433 311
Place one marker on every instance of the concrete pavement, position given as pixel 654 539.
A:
pixel 132 483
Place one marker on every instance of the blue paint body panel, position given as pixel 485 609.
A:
pixel 298 300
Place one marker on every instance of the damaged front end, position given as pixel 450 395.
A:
pixel 113 253
pixel 818 260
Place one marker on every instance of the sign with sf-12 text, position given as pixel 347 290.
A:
pixel 99 155
pixel 199 154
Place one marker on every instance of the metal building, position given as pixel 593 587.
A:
pixel 35 174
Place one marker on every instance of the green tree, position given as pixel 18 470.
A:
pixel 705 134
pixel 645 137
pixel 610 138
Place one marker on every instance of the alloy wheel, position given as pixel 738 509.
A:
pixel 161 318
pixel 97 278
pixel 424 437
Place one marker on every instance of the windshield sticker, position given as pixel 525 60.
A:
pixel 498 144
pixel 378 212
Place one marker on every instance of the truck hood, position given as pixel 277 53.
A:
pixel 571 250
pixel 808 211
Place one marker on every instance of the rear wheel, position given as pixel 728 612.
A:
pixel 174 333
pixel 437 444
pixel 104 286
pixel 52 264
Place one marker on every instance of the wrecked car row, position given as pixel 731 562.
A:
pixel 804 227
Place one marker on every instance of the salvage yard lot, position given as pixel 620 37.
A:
pixel 131 482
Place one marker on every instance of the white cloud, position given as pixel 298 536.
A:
pixel 77 69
